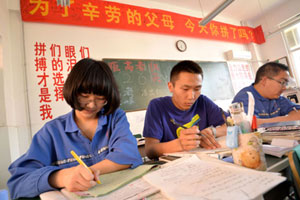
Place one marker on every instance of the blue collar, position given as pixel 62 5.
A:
pixel 71 126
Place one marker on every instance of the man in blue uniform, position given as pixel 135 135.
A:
pixel 270 81
pixel 184 108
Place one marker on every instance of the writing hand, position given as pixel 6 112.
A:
pixel 208 140
pixel 74 179
pixel 189 139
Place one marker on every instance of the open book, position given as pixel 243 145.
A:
pixel 110 182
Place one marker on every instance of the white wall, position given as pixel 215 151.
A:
pixel 12 89
pixel 274 47
pixel 111 43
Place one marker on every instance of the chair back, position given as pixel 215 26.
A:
pixel 295 167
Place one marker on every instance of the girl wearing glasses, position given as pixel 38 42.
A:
pixel 96 129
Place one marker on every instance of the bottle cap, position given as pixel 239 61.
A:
pixel 254 124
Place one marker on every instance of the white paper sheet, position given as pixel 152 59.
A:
pixel 198 179
pixel 135 190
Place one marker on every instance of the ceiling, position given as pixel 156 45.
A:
pixel 244 10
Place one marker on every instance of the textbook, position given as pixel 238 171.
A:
pixel 281 126
pixel 291 134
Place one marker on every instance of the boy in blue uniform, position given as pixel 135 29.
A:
pixel 96 129
pixel 270 81
pixel 184 107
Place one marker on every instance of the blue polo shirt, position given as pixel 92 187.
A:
pixel 51 146
pixel 161 110
pixel 265 108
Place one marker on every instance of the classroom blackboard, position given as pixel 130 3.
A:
pixel 140 81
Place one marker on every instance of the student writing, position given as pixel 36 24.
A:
pixel 184 107
pixel 96 129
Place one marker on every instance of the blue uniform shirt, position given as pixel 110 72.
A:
pixel 161 110
pixel 265 108
pixel 51 146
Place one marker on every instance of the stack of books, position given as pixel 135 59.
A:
pixel 279 147
pixel 284 130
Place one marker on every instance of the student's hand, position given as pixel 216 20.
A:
pixel 208 140
pixel 189 139
pixel 74 179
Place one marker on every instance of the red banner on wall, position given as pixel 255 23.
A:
pixel 106 14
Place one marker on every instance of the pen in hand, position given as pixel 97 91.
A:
pixel 295 109
pixel 83 164
pixel 175 123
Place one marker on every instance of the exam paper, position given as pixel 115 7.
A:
pixel 198 179
pixel 115 180
pixel 135 190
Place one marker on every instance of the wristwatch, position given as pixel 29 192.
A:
pixel 214 131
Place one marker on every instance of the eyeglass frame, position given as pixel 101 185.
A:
pixel 88 101
pixel 282 83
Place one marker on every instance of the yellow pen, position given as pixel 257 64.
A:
pixel 82 163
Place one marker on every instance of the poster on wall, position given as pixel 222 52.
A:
pixel 241 75
pixel 48 68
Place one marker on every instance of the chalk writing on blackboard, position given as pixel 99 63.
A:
pixel 140 81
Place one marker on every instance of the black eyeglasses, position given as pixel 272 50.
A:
pixel 282 83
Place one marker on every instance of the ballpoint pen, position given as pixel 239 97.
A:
pixel 82 163
pixel 182 126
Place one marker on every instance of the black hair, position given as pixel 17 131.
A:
pixel 269 69
pixel 185 66
pixel 92 77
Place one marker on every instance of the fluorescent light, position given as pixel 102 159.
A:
pixel 292 21
pixel 63 2
pixel 215 12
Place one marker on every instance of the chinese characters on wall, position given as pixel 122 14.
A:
pixel 241 75
pixel 107 14
pixel 52 63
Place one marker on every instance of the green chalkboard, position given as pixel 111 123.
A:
pixel 140 81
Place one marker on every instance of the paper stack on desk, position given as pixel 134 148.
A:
pixel 193 178
pixel 279 147
pixel 292 135
pixel 284 130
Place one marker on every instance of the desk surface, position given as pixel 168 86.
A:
pixel 275 164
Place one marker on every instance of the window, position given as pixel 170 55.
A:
pixel 292 39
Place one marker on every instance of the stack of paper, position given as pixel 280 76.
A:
pixel 279 147
pixel 282 126
pixel 193 178
pixel 291 135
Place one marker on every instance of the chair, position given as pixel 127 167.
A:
pixel 295 168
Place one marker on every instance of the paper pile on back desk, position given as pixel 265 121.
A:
pixel 193 178
pixel 279 147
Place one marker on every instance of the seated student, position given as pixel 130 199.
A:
pixel 96 129
pixel 270 81
pixel 184 107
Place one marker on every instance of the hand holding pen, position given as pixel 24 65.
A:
pixel 208 141
pixel 78 178
pixel 189 138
